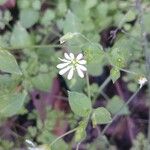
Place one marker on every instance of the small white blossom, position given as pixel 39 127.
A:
pixel 30 142
pixel 71 64
pixel 38 148
pixel 142 81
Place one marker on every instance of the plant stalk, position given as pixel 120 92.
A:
pixel 115 117
pixel 147 54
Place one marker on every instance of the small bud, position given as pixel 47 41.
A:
pixel 142 81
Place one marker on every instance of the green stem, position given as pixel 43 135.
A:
pixel 89 95
pixel 108 79
pixel 37 46
pixel 88 85
pixel 53 142
pixel 115 117
pixel 84 37
pixel 33 46
pixel 128 71
pixel 78 145
pixel 146 50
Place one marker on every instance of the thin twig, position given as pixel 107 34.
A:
pixel 71 131
pixel 88 85
pixel 40 46
pixel 78 145
pixel 115 117
pixel 146 50
pixel 108 79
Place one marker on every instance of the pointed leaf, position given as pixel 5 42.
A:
pixel 42 82
pixel 114 74
pixel 10 104
pixel 115 104
pixel 101 116
pixel 72 23
pixel 80 103
pixel 8 63
pixel 20 37
pixel 28 17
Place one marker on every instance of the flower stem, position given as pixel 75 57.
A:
pixel 84 37
pixel 53 142
pixel 108 79
pixel 78 145
pixel 144 44
pixel 115 117
pixel 38 46
pixel 88 85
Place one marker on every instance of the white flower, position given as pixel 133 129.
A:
pixel 71 64
pixel 37 148
pixel 142 81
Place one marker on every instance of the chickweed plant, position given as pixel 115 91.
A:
pixel 62 42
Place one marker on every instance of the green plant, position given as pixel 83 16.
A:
pixel 30 52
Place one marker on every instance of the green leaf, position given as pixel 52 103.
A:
pixel 71 23
pixel 78 8
pixel 95 57
pixel 28 17
pixel 20 37
pixel 2 1
pixel 117 57
pixel 90 3
pixel 101 116
pixel 36 4
pixel 9 82
pixel 76 84
pixel 103 9
pixel 23 4
pixel 10 104
pixel 95 71
pixel 130 16
pixel 147 21
pixel 93 53
pixel 42 82
pixel 61 8
pixel 132 86
pixel 114 74
pixel 8 63
pixel 48 16
pixel 80 104
pixel 115 104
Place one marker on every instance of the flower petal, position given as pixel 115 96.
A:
pixel 64 60
pixel 80 73
pixel 79 56
pixel 82 62
pixel 81 67
pixel 71 56
pixel 67 56
pixel 64 70
pixel 70 74
pixel 62 65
